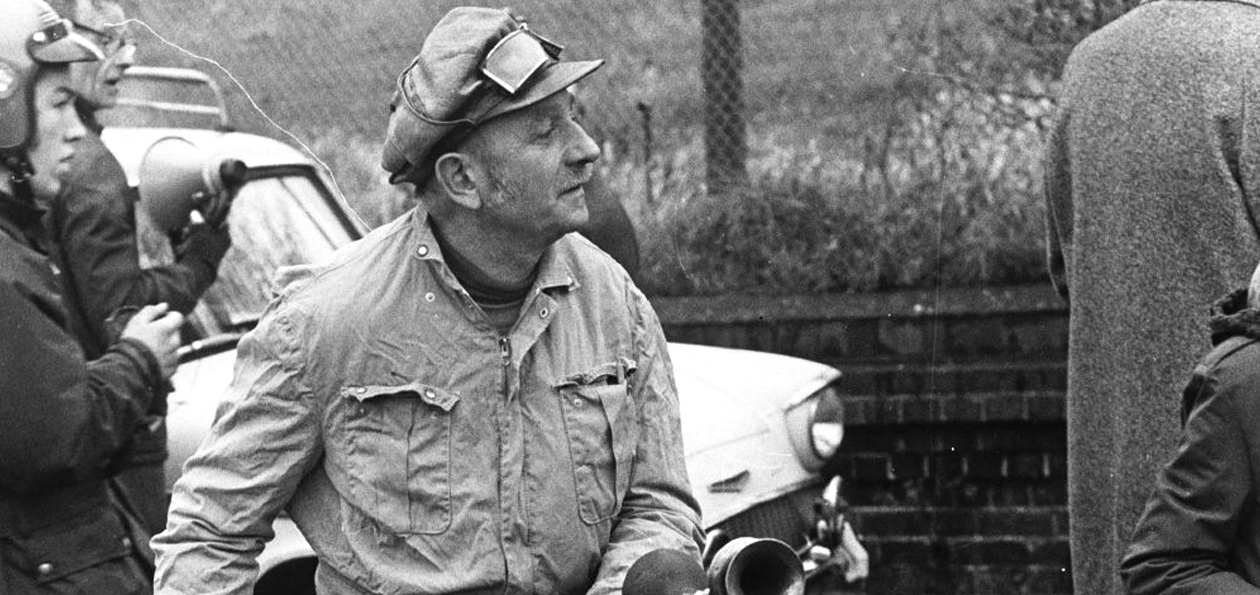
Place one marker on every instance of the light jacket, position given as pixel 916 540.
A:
pixel 1201 529
pixel 420 452
pixel 63 424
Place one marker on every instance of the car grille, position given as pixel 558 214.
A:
pixel 787 518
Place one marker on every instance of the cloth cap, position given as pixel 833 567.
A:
pixel 444 95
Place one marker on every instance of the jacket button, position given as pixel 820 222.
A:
pixel 422 250
pixel 429 297
pixel 45 569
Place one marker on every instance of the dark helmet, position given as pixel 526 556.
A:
pixel 32 36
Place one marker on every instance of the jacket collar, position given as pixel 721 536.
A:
pixel 1231 317
pixel 554 272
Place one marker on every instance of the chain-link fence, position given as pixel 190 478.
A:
pixel 819 105
pixel 676 71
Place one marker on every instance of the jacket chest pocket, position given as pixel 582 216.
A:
pixel 601 425
pixel 396 446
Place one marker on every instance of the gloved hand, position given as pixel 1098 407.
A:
pixel 215 209
pixel 203 242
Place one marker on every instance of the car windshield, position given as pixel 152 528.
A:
pixel 282 216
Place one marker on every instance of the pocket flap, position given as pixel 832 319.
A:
pixel 606 373
pixel 435 396
pixel 76 545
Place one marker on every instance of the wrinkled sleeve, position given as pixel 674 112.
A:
pixel 1058 195
pixel 659 510
pixel 264 440
pixel 97 404
pixel 1184 540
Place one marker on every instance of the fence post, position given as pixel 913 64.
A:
pixel 721 65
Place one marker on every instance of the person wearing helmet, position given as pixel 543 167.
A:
pixel 64 420
pixel 470 399
pixel 93 225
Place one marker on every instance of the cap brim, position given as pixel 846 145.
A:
pixel 554 79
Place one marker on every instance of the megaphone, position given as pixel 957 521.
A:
pixel 755 566
pixel 177 177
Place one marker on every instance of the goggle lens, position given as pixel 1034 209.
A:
pixel 518 57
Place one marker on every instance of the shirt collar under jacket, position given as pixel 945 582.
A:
pixel 554 272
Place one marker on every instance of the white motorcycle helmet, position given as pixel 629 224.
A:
pixel 32 36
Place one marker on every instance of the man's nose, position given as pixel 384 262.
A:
pixel 126 55
pixel 75 129
pixel 584 149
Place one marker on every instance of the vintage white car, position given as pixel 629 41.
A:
pixel 758 427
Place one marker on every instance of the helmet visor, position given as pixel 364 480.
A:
pixel 59 44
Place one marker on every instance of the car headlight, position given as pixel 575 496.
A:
pixel 815 426
pixel 826 422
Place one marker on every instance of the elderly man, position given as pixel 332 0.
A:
pixel 471 398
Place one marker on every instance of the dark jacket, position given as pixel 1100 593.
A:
pixel 93 227
pixel 1201 529
pixel 63 423
pixel 1153 189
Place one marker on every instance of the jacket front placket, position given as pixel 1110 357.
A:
pixel 527 334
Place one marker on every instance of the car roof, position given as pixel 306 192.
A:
pixel 129 146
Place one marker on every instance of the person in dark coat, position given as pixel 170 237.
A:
pixel 93 224
pixel 1200 532
pixel 64 421
pixel 1153 192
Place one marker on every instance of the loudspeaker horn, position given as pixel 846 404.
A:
pixel 177 177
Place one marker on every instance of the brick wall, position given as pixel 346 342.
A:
pixel 955 449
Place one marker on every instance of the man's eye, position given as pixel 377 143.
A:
pixel 545 132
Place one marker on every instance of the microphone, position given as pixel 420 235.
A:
pixel 665 572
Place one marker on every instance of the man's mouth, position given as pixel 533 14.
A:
pixel 580 186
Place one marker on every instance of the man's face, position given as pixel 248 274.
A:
pixel 98 81
pixel 537 158
pixel 57 130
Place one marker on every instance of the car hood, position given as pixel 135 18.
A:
pixel 733 406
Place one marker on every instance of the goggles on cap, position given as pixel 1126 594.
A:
pixel 57 43
pixel 518 57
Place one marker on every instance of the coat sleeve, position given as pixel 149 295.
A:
pixel 1185 539
pixel 264 440
pixel 1058 195
pixel 659 510
pixel 94 223
pixel 62 419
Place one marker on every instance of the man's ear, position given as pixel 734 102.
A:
pixel 457 175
